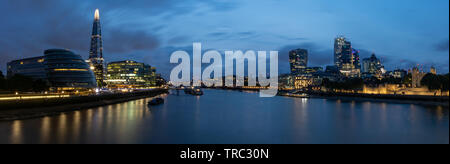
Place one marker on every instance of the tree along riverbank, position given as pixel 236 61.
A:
pixel 26 109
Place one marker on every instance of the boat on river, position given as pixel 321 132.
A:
pixel 156 101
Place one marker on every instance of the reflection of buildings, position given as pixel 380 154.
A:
pixel 96 53
pixel 61 69
pixel 346 58
pixel 299 61
pixel 372 67
pixel 130 74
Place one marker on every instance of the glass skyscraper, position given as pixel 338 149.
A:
pixel 342 52
pixel 298 60
pixel 372 67
pixel 346 58
pixel 96 53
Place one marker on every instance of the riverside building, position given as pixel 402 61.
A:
pixel 130 74
pixel 61 69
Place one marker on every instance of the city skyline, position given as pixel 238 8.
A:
pixel 132 32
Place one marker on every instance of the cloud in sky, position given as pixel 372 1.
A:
pixel 442 46
pixel 147 30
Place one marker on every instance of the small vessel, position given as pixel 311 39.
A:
pixel 156 101
pixel 197 92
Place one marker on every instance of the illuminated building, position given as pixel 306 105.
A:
pixel 30 67
pixel 96 60
pixel 298 60
pixel 286 81
pixel 398 73
pixel 346 58
pixel 372 67
pixel 356 61
pixel 61 69
pixel 130 74
pixel 312 70
pixel 307 82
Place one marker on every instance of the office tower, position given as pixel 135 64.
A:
pixel 130 74
pixel 372 67
pixel 342 52
pixel 356 60
pixel 346 58
pixel 298 60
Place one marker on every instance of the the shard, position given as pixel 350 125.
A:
pixel 96 53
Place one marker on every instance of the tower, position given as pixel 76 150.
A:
pixel 298 60
pixel 346 58
pixel 343 53
pixel 96 53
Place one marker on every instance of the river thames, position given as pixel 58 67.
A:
pixel 232 117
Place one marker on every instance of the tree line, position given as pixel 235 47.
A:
pixel 20 83
pixel 436 82
pixel 350 84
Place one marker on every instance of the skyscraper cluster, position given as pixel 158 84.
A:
pixel 372 67
pixel 346 58
pixel 298 60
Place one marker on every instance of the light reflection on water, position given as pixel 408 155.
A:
pixel 237 118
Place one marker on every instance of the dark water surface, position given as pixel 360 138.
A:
pixel 231 117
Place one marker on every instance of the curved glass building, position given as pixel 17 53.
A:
pixel 68 71
pixel 62 69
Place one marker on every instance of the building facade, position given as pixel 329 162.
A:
pixel 298 60
pixel 96 60
pixel 346 58
pixel 30 67
pixel 130 74
pixel 372 67
pixel 61 69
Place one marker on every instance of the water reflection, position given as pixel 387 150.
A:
pixel 237 117
pixel 16 135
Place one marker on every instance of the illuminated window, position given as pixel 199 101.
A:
pixel 63 70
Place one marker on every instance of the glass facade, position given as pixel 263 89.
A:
pixel 31 67
pixel 298 60
pixel 372 67
pixel 346 58
pixel 68 71
pixel 96 60
pixel 130 74
pixel 61 69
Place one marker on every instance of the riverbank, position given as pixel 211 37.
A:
pixel 27 109
pixel 399 99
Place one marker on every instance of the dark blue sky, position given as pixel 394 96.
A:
pixel 402 32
